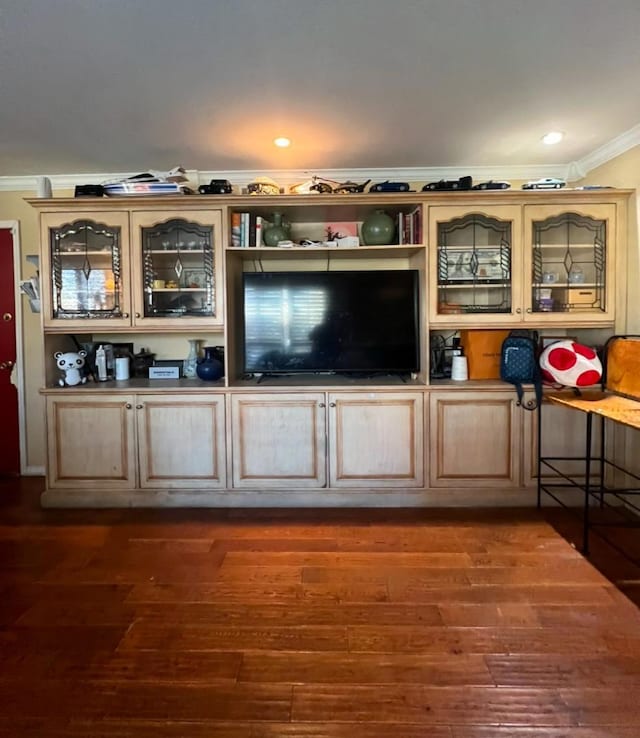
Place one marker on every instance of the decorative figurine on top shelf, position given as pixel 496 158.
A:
pixel 70 364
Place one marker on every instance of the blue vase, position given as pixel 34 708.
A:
pixel 210 368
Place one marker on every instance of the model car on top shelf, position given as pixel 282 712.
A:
pixel 388 186
pixel 464 183
pixel 546 183
pixel 216 187
pixel 322 186
pixel 350 187
pixel 492 185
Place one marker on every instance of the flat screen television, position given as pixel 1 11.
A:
pixel 363 322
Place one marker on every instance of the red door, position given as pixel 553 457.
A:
pixel 10 444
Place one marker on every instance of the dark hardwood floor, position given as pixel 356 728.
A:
pixel 312 624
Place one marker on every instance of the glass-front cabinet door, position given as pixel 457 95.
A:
pixel 86 270
pixel 177 270
pixel 474 264
pixel 570 264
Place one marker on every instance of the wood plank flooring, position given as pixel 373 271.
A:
pixel 310 624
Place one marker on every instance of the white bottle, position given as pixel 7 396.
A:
pixel 101 364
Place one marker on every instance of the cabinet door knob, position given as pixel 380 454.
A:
pixel 139 407
pixel 321 404
pixel 125 315
pixel 332 404
pixel 7 317
pixel 528 310
pixel 518 310
pixel 128 406
pixel 137 315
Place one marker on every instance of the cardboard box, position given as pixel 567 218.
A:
pixel 482 349
pixel 581 296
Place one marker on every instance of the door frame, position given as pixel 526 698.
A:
pixel 14 227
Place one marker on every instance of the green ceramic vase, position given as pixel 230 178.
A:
pixel 378 229
pixel 277 231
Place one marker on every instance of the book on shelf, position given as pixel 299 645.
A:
pixel 258 231
pixel 246 231
pixel 409 226
pixel 416 224
pixel 236 219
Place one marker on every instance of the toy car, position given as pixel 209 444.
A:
pixel 326 186
pixel 546 183
pixel 388 186
pixel 464 183
pixel 314 185
pixel 492 185
pixel 216 187
pixel 350 187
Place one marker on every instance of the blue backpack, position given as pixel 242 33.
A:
pixel 519 364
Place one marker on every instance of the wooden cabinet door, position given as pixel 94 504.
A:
pixel 181 441
pixel 279 440
pixel 91 441
pixel 85 270
pixel 570 273
pixel 474 439
pixel 475 264
pixel 177 275
pixel 376 439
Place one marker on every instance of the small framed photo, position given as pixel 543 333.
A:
pixel 470 266
pixel 194 279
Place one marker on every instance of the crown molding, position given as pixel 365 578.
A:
pixel 608 151
pixel 288 177
pixel 571 171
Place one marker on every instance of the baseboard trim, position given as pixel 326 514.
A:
pixel 33 471
pixel 302 498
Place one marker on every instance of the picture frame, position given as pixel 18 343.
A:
pixel 194 279
pixel 459 265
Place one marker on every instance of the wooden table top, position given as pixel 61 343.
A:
pixel 622 410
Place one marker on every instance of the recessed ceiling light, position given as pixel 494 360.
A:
pixel 553 137
pixel 282 142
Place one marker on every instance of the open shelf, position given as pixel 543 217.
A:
pixel 365 252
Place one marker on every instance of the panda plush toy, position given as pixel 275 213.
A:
pixel 70 364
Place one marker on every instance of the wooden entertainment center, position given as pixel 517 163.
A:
pixel 163 269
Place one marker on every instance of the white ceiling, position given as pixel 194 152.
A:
pixel 129 85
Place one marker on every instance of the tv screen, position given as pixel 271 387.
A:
pixel 331 321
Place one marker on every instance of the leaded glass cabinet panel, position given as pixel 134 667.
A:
pixel 569 260
pixel 570 264
pixel 87 271
pixel 177 268
pixel 474 265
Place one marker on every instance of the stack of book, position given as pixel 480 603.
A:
pixel 409 226
pixel 246 230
